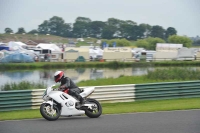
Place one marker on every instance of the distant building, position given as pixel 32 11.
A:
pixel 117 54
pixel 72 54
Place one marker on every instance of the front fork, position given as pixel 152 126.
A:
pixel 49 102
pixel 52 104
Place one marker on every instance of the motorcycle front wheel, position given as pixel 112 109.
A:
pixel 96 109
pixel 48 113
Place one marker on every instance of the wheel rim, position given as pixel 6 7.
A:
pixel 94 108
pixel 49 111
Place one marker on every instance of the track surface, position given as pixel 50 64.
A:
pixel 157 122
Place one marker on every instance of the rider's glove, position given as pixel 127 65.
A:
pixel 62 88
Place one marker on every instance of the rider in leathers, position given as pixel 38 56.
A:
pixel 67 83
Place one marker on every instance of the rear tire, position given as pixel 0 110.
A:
pixel 48 113
pixel 96 111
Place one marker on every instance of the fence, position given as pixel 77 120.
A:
pixel 168 90
pixel 31 99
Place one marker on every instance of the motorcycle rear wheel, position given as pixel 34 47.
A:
pixel 96 111
pixel 48 113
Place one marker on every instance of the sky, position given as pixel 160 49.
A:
pixel 183 15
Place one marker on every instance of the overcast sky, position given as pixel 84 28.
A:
pixel 183 15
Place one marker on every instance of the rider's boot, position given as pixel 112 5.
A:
pixel 82 101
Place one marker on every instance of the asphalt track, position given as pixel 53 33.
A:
pixel 187 121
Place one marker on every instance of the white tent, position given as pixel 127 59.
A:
pixel 93 53
pixel 96 52
pixel 187 53
pixel 100 51
pixel 168 47
pixel 52 47
pixel 16 45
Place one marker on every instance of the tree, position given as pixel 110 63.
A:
pixel 44 27
pixel 130 22
pixel 153 41
pixel 187 42
pixel 157 31
pixel 55 26
pixel 123 42
pixel 170 31
pixel 142 43
pixel 20 31
pixel 81 27
pixel 67 30
pixel 147 28
pixel 149 43
pixel 115 24
pixel 8 30
pixel 33 31
pixel 83 19
pixel 138 31
pixel 119 42
pixel 108 32
pixel 126 30
pixel 96 28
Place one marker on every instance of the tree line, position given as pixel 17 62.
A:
pixel 111 29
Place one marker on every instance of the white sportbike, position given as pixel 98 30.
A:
pixel 57 103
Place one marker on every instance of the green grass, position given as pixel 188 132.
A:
pixel 113 65
pixel 180 73
pixel 126 80
pixel 23 85
pixel 117 108
pixel 50 65
pixel 152 106
pixel 114 81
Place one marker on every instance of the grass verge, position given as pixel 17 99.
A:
pixel 112 64
pixel 117 108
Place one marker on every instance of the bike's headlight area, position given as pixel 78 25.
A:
pixel 45 93
pixel 44 96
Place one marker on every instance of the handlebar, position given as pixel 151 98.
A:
pixel 56 89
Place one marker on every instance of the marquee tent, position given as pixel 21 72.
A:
pixel 187 53
pixel 16 46
pixel 168 47
pixel 117 53
pixel 19 47
pixel 16 57
pixel 94 53
pixel 71 54
pixel 52 47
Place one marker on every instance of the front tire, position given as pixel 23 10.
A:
pixel 96 110
pixel 48 113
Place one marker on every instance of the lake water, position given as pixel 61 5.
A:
pixel 77 75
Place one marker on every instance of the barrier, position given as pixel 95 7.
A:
pixel 32 99
pixel 15 100
pixel 167 90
